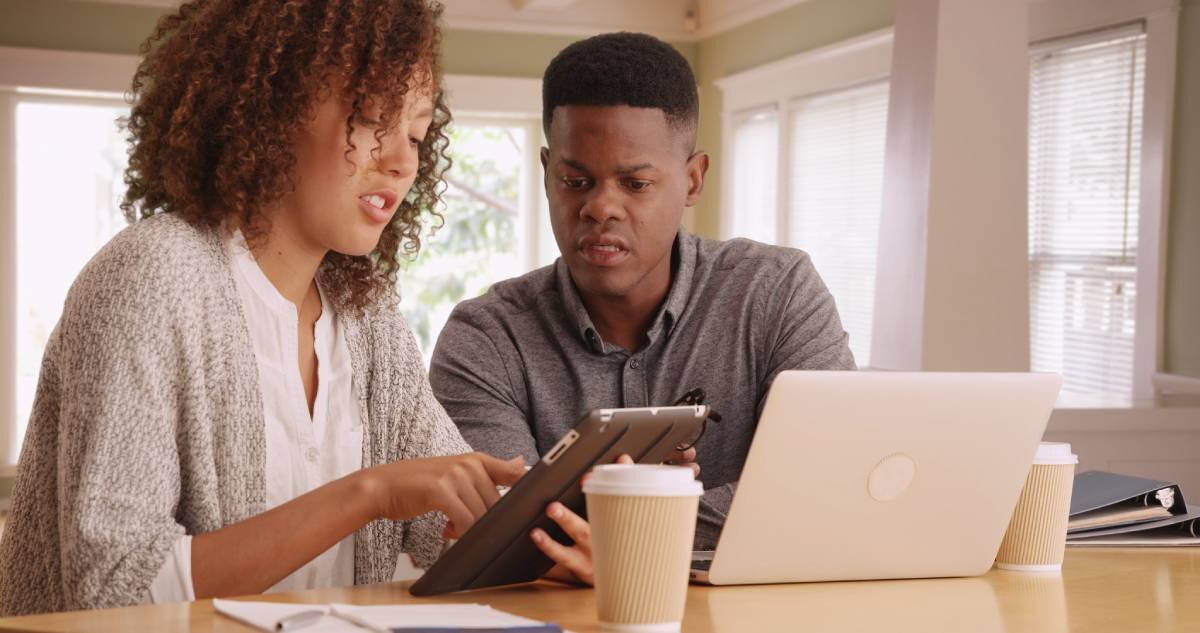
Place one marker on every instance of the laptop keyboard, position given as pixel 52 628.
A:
pixel 701 565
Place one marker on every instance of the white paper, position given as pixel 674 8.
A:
pixel 383 618
pixel 264 615
pixel 349 618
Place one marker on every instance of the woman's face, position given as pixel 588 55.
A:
pixel 344 197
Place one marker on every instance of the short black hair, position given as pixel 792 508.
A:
pixel 631 69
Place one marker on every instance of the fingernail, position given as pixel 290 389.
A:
pixel 555 510
pixel 536 535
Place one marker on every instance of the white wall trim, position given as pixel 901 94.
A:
pixel 1050 19
pixel 1158 107
pixel 1174 384
pixel 853 61
pixel 8 276
pixel 66 70
pixel 75 72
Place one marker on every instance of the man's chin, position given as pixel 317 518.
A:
pixel 608 284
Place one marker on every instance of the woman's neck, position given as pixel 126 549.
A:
pixel 289 260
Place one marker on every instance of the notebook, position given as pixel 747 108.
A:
pixel 1109 509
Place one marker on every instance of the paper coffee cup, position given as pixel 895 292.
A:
pixel 643 519
pixel 1037 534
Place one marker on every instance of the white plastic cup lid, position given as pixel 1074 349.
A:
pixel 642 480
pixel 1053 453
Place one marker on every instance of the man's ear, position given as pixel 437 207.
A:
pixel 545 154
pixel 697 167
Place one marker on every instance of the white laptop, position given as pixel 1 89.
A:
pixel 856 475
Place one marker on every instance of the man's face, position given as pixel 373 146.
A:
pixel 618 179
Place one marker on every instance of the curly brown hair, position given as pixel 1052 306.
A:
pixel 224 84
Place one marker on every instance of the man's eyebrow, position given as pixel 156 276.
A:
pixel 631 169
pixel 574 164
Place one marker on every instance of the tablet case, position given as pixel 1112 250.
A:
pixel 497 550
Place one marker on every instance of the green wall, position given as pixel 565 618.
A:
pixel 1182 336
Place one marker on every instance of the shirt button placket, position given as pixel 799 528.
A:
pixel 634 384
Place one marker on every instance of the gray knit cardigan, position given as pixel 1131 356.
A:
pixel 148 424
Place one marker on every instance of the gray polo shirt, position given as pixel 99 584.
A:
pixel 516 367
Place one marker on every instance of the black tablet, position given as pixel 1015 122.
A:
pixel 497 550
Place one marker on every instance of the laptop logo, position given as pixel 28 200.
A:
pixel 891 477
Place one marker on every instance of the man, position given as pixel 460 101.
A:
pixel 636 312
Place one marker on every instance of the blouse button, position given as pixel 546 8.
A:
pixel 312 455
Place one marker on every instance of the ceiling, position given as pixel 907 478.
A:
pixel 676 20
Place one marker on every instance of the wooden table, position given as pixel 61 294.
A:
pixel 1099 590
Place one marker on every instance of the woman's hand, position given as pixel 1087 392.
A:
pixel 462 487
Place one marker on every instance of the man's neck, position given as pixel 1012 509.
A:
pixel 624 320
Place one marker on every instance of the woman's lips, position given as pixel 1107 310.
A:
pixel 376 214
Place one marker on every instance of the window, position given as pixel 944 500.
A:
pixel 755 152
pixel 496 221
pixel 837 195
pixel 1085 114
pixel 492 225
pixel 806 135
pixel 64 215
pixel 834 172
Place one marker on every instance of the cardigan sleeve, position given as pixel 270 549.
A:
pixel 429 432
pixel 119 358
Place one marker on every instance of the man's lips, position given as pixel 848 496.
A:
pixel 603 250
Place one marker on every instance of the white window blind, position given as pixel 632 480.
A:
pixel 1084 152
pixel 837 155
pixel 756 174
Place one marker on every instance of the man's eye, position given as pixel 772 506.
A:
pixel 638 185
pixel 575 183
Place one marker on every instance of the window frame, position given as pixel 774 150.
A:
pixel 778 87
pixel 868 57
pixel 1160 19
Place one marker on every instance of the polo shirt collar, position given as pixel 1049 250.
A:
pixel 683 267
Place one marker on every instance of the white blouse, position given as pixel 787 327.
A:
pixel 303 452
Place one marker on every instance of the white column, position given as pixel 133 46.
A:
pixel 952 279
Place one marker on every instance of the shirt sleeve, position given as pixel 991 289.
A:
pixel 804 331
pixel 174 580
pixel 478 384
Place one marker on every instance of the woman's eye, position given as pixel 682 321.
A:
pixel 414 141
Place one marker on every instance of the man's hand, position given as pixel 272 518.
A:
pixel 684 458
pixel 572 564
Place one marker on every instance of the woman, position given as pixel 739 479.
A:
pixel 231 401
